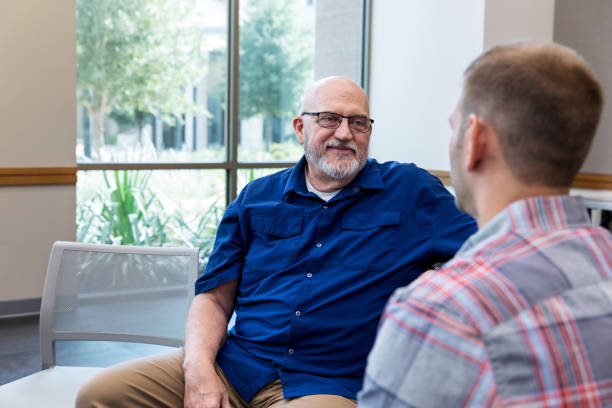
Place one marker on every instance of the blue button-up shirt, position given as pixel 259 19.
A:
pixel 315 276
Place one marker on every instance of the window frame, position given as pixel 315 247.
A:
pixel 231 165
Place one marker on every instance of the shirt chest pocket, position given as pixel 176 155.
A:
pixel 274 242
pixel 369 240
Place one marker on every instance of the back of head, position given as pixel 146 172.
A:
pixel 544 104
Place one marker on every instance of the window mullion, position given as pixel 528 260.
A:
pixel 231 128
pixel 365 46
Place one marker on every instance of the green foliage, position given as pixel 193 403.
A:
pixel 137 55
pixel 128 213
pixel 202 235
pixel 276 58
pixel 128 121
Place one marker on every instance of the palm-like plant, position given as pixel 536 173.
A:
pixel 130 215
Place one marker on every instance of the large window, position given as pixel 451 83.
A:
pixel 182 102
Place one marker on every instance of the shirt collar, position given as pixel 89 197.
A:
pixel 369 178
pixel 533 214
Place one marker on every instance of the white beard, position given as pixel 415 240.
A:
pixel 345 169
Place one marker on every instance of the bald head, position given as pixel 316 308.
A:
pixel 337 149
pixel 327 90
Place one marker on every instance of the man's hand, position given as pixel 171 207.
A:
pixel 204 389
pixel 206 332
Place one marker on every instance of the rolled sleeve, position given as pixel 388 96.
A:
pixel 227 258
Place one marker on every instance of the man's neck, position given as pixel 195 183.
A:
pixel 492 201
pixel 325 183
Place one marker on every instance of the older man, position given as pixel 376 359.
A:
pixel 306 258
pixel 522 316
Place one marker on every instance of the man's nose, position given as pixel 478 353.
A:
pixel 344 131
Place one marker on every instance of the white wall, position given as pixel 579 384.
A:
pixel 587 27
pixel 37 113
pixel 418 51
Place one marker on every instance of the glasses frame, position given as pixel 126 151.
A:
pixel 340 121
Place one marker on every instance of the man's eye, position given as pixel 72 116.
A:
pixel 359 121
pixel 328 119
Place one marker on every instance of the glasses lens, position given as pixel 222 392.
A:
pixel 359 123
pixel 329 120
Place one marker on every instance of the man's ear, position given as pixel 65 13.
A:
pixel 298 126
pixel 475 142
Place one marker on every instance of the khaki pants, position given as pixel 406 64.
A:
pixel 158 381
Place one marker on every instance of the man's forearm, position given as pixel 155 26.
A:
pixel 206 331
pixel 207 325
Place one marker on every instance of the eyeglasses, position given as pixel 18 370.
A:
pixel 332 120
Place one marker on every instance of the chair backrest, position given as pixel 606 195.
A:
pixel 116 293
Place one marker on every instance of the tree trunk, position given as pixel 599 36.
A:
pixel 267 132
pixel 277 129
pixel 98 132
pixel 140 121
pixel 88 136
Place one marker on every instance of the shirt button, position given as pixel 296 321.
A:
pixel 298 313
pixel 319 245
pixel 326 207
pixel 290 351
pixel 356 189
pixel 309 275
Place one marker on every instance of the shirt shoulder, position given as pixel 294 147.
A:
pixel 468 290
pixel 440 289
pixel 409 171
pixel 270 187
pixel 409 182
pixel 427 323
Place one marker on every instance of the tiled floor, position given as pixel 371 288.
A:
pixel 19 348
pixel 20 353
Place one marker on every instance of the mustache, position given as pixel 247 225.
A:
pixel 339 143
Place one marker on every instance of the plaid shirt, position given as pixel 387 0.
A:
pixel 522 316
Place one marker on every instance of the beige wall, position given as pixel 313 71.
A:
pixel 37 113
pixel 586 26
pixel 518 20
pixel 33 218
pixel 338 38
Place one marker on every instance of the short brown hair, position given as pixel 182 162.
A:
pixel 544 104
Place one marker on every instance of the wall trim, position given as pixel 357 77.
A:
pixel 20 176
pixel 444 176
pixel 23 176
pixel 23 307
pixel 593 181
pixel 590 181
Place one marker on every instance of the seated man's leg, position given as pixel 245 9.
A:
pixel 271 396
pixel 156 381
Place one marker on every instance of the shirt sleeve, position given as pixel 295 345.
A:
pixel 426 357
pixel 227 257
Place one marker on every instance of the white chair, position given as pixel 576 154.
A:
pixel 104 293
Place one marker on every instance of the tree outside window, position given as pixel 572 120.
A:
pixel 152 136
